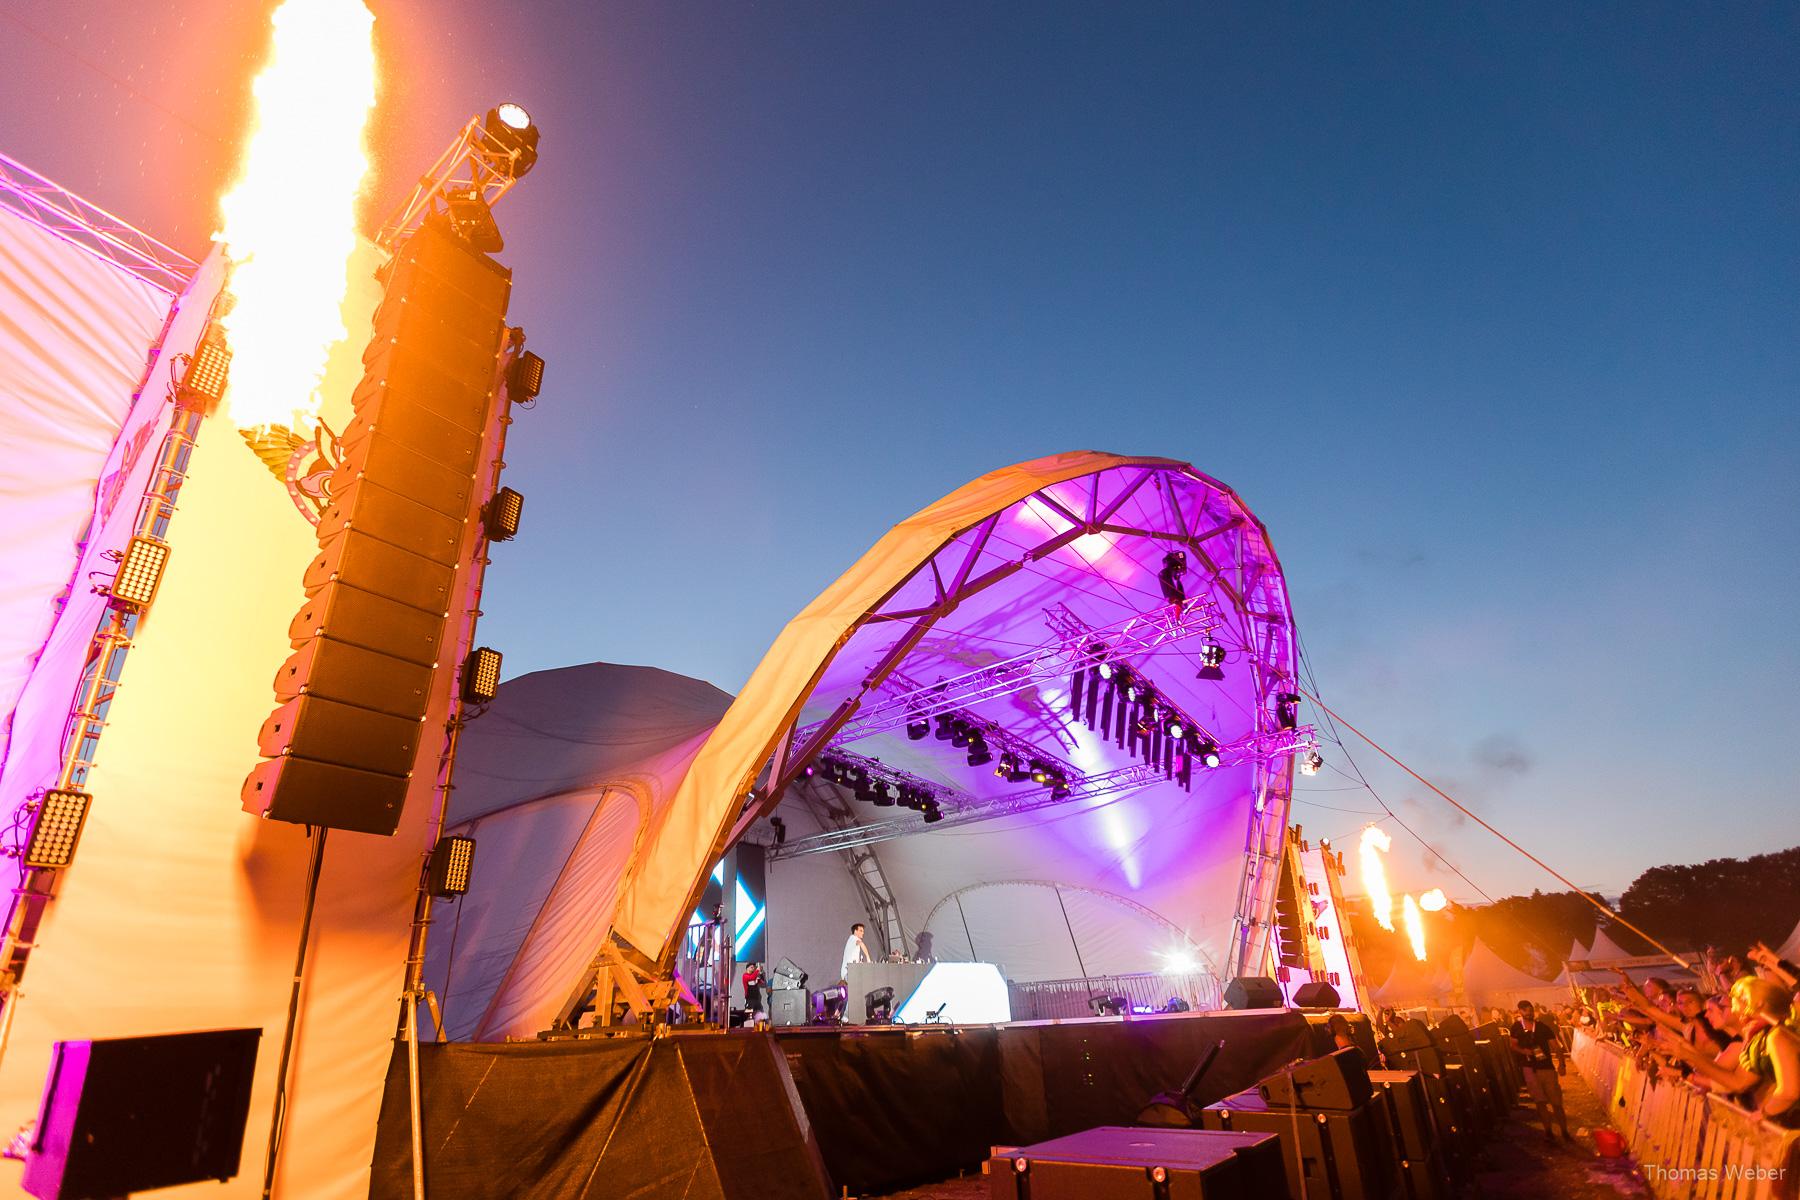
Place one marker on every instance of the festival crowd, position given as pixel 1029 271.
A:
pixel 1734 1032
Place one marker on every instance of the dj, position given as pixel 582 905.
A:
pixel 855 949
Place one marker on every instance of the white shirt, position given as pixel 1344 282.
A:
pixel 854 952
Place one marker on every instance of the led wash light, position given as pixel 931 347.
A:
pixel 502 515
pixel 140 572
pixel 525 378
pixel 61 815
pixel 452 861
pixel 481 675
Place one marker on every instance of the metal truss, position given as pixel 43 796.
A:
pixel 1000 740
pixel 61 213
pixel 1072 651
pixel 474 164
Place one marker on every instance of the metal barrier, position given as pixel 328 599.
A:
pixel 1049 999
pixel 1688 1144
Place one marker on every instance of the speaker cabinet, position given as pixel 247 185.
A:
pixel 1252 991
pixel 409 483
pixel 1317 994
pixel 1337 1081
pixel 1117 1163
pixel 1337 1155
pixel 123 1115
pixel 787 1006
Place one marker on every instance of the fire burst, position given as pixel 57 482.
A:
pixel 289 223
pixel 1375 843
pixel 1415 927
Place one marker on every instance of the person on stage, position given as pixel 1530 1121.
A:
pixel 855 949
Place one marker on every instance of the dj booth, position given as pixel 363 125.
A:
pixel 912 993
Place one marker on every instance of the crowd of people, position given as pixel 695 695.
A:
pixel 1733 1031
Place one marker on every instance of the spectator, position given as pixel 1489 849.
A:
pixel 1765 1075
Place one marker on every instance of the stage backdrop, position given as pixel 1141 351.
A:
pixel 181 911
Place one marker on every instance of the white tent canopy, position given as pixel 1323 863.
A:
pixel 968 599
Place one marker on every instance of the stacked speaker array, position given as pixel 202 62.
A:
pixel 343 744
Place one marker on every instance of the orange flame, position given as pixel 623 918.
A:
pixel 289 223
pixel 1375 843
pixel 1415 927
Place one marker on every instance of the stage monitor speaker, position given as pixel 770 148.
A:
pixel 1117 1163
pixel 409 482
pixel 1338 1155
pixel 787 974
pixel 1317 994
pixel 1338 1082
pixel 787 1006
pixel 123 1115
pixel 1253 991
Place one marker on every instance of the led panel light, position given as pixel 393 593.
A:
pixel 61 814
pixel 525 378
pixel 481 675
pixel 452 861
pixel 502 515
pixel 140 572
pixel 208 370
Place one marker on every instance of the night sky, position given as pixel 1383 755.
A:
pixel 1489 313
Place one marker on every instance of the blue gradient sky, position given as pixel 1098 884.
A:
pixel 1490 315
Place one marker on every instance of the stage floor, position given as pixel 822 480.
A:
pixel 804 1112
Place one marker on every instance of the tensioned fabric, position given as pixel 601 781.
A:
pixel 74 335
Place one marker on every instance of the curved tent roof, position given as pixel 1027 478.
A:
pixel 991 606
pixel 1484 972
pixel 1604 948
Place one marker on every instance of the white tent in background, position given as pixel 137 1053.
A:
pixel 1604 948
pixel 1485 973
pixel 1411 983
pixel 1790 949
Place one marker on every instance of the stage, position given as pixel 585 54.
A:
pixel 804 1112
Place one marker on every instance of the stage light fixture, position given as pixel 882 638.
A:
pixel 1106 670
pixel 946 727
pixel 1310 762
pixel 885 794
pixel 1207 753
pixel 481 675
pixel 1176 729
pixel 1212 662
pixel 473 221
pixel 1008 765
pixel 1040 772
pixel 1174 568
pixel 979 756
pixel 918 728
pixel 140 572
pixel 61 813
pixel 933 814
pixel 511 128
pixel 209 369
pixel 501 515
pixel 452 859
pixel 779 828
pixel 525 377
pixel 960 732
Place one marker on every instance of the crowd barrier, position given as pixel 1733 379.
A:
pixel 1049 999
pixel 1689 1145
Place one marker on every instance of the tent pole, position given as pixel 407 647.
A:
pixel 1071 928
pixel 412 1094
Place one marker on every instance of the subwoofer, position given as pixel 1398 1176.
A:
pixel 1317 994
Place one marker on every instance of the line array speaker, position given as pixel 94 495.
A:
pixel 342 747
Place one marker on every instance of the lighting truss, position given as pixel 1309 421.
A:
pixel 476 165
pixel 960 808
pixel 1000 740
pixel 62 214
pixel 1068 625
pixel 1048 664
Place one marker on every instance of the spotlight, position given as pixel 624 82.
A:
pixel 1310 762
pixel 203 385
pixel 140 572
pixel 509 127
pixel 779 828
pixel 1287 709
pixel 451 861
pixel 1040 772
pixel 1207 753
pixel 933 814
pixel 481 675
pixel 525 377
pixel 945 727
pixel 60 817
pixel 500 516
pixel 1212 661
pixel 1106 670
pixel 978 751
pixel 1176 728
pixel 1008 767
pixel 918 728
pixel 1059 788
pixel 959 733
pixel 1174 567
pixel 884 794
pixel 473 221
